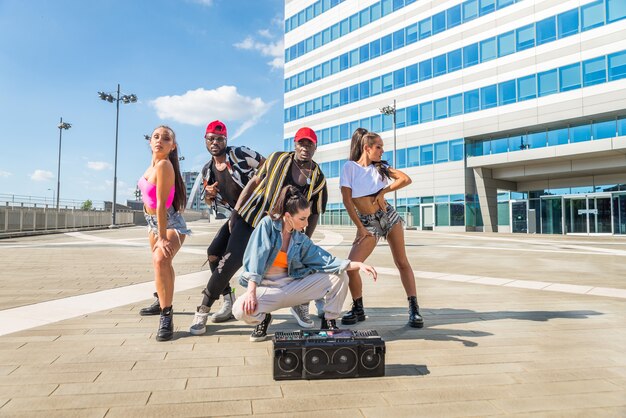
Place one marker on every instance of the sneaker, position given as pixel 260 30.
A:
pixel 226 311
pixel 301 313
pixel 154 309
pixel 319 304
pixel 198 327
pixel 260 332
pixel 166 325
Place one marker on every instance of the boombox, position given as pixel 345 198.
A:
pixel 328 354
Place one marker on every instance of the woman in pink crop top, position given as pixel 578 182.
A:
pixel 164 196
pixel 364 182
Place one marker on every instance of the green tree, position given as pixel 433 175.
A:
pixel 87 205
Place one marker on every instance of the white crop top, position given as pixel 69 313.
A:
pixel 363 181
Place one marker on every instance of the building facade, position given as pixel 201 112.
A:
pixel 509 115
pixel 193 185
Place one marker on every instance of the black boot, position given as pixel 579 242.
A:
pixel 328 324
pixel 166 325
pixel 153 309
pixel 354 315
pixel 415 319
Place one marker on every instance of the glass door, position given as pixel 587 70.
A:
pixel 519 216
pixel 551 215
pixel 428 216
pixel 600 215
pixel 576 215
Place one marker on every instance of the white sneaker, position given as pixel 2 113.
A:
pixel 301 313
pixel 198 327
pixel 226 311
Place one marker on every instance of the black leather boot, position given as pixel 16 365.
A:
pixel 153 309
pixel 328 324
pixel 166 325
pixel 415 319
pixel 354 315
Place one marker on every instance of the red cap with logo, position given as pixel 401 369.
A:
pixel 216 127
pixel 305 133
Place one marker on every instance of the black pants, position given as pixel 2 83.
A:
pixel 230 249
pixel 216 249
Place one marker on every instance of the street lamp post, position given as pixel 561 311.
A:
pixel 391 110
pixel 62 125
pixel 130 98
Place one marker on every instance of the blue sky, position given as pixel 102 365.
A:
pixel 188 61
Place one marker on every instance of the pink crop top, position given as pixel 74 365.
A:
pixel 148 194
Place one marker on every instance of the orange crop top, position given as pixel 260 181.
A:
pixel 280 260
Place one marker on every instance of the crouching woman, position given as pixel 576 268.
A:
pixel 283 268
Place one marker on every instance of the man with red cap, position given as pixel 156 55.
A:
pixel 295 168
pixel 224 177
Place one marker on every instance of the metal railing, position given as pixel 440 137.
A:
pixel 41 201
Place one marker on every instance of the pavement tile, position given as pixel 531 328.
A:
pixel 197 409
pixel 551 403
pixel 27 390
pixel 25 379
pixel 322 413
pixel 5 370
pixel 186 363
pixel 153 385
pixel 147 374
pixel 246 370
pixel 75 367
pixel 267 406
pixel 447 409
pixel 576 413
pixel 65 413
pixel 216 394
pixel 76 401
pixel 241 381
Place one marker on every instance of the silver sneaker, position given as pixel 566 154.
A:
pixel 198 327
pixel 226 311
pixel 301 313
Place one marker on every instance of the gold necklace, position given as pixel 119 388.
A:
pixel 308 178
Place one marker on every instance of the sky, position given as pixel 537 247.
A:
pixel 188 61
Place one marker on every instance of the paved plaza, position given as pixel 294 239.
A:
pixel 516 325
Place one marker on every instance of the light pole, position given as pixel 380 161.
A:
pixel 391 110
pixel 51 190
pixel 126 99
pixel 62 125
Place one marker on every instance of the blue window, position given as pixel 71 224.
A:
pixel 353 126
pixel 602 130
pixel 453 16
pixel 375 49
pixel 506 44
pixel 527 87
pixel 592 15
pixel 545 30
pixel 364 53
pixel 488 49
pixel 537 139
pixel 441 152
pixel 398 78
pixel 504 3
pixel 615 10
pixel 334 168
pixel 344 61
pixel 412 115
pixel 375 11
pixel 354 93
pixel 547 83
pixel 354 22
pixel 344 131
pixel 344 27
pixel 334 31
pixel 617 66
pixel 455 60
pixel 326 69
pixel 498 146
pixel 344 96
pixel 413 157
pixel 456 150
pixel 580 133
pixel 426 154
pixel 567 23
pixel 439 22
pixel 525 37
pixel 398 39
pixel 455 105
pixel 376 123
pixel 517 143
pixel 387 7
pixel 411 74
pixel 569 77
pixel 401 118
pixel 354 57
pixel 558 137
pixel 317 40
pixel 325 36
pixel 439 65
pixel 401 158
pixel 325 102
pixel 387 82
pixel 471 101
pixel 317 72
pixel 411 34
pixel 364 90
pixel 334 99
pixel 325 136
pixel 470 55
pixel 425 28
pixel 441 108
pixel 375 87
pixel 621 127
pixel 365 123
pixel 387 156
pixel 364 17
pixel 398 4
pixel 487 6
pixel 317 105
pixel 334 134
pixel 488 97
pixel 334 65
pixel 426 112
pixel 387 44
pixel 426 70
pixel 594 71
pixel 506 92
pixel 470 10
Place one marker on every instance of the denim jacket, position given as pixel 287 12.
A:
pixel 303 257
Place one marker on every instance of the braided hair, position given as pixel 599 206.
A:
pixel 360 138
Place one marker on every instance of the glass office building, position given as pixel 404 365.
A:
pixel 510 115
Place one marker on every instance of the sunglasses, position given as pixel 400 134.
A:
pixel 218 139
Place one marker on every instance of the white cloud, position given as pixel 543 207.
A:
pixel 41 175
pixel 275 50
pixel 203 2
pixel 196 107
pixel 99 165
pixel 5 174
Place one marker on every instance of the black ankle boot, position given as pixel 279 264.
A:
pixel 354 315
pixel 415 319
pixel 166 325
pixel 328 324
pixel 153 309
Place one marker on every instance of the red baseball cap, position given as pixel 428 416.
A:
pixel 216 127
pixel 305 133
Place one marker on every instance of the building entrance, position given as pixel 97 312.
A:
pixel 519 216
pixel 591 214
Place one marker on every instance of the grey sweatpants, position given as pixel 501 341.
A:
pixel 333 288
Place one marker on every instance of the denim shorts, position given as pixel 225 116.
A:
pixel 175 221
pixel 381 222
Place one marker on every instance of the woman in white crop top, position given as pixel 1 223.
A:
pixel 364 182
